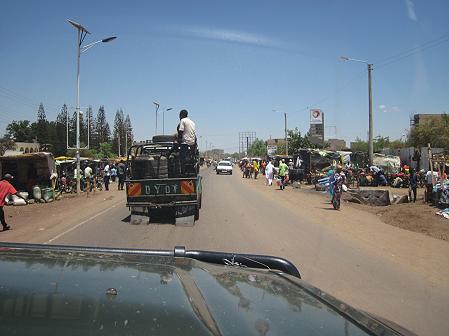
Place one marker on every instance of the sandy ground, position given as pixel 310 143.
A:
pixel 352 254
pixel 417 217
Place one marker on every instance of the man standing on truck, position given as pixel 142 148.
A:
pixel 186 137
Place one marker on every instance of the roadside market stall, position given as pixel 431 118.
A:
pixel 29 169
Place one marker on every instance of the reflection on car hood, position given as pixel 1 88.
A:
pixel 61 293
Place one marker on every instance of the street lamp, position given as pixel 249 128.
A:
pixel 285 131
pixel 82 32
pixel 156 104
pixel 163 118
pixel 370 106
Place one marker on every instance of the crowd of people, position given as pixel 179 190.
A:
pixel 251 168
pixel 94 176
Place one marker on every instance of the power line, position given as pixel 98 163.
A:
pixel 387 61
pixel 412 51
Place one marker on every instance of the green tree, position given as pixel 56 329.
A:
pixel 119 133
pixel 129 130
pixel 295 142
pixel 5 144
pixel 358 145
pixel 435 132
pixel 258 148
pixel 41 125
pixel 102 130
pixel 379 143
pixel 60 143
pixel 89 130
pixel 105 151
pixel 20 131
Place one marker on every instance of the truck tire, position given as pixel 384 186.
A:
pixel 197 213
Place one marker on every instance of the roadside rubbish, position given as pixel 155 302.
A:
pixel 444 213
pixel 18 201
pixel 37 194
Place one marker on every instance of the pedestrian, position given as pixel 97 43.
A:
pixel 121 171
pixel 330 174
pixel 106 176
pixel 283 171
pixel 243 168
pixel 248 169
pixel 269 173
pixel 413 184
pixel 6 189
pixel 431 178
pixel 113 173
pixel 88 177
pixel 256 168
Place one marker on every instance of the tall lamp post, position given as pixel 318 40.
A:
pixel 370 106
pixel 82 32
pixel 163 118
pixel 285 132
pixel 156 105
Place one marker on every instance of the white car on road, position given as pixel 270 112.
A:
pixel 224 167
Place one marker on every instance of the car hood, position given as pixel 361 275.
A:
pixel 73 293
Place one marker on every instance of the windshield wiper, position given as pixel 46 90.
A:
pixel 220 258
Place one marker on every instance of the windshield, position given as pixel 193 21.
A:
pixel 331 117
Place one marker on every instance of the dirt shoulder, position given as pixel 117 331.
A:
pixel 40 222
pixel 366 229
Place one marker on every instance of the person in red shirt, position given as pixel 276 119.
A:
pixel 6 188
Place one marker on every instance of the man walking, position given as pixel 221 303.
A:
pixel 256 168
pixel 269 173
pixel 6 189
pixel 88 177
pixel 283 170
pixel 121 170
pixel 106 176
pixel 413 184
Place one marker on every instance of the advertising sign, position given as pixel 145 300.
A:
pixel 271 149
pixel 316 116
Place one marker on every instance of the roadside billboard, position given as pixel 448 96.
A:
pixel 271 149
pixel 316 116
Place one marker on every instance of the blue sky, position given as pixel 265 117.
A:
pixel 230 63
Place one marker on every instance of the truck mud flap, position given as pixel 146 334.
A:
pixel 185 215
pixel 139 215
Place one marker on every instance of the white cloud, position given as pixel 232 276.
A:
pixel 231 36
pixel 227 35
pixel 386 109
pixel 411 10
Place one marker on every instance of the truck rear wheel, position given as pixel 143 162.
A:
pixel 197 213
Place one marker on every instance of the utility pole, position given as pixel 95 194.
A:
pixel 370 109
pixel 126 141
pixel 118 133
pixel 81 35
pixel 285 129
pixel 370 130
pixel 156 104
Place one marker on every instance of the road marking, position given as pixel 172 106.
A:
pixel 79 224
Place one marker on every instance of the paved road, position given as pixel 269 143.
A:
pixel 236 217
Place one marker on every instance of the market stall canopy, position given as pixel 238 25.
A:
pixel 389 163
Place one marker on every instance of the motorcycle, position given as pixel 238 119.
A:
pixel 338 188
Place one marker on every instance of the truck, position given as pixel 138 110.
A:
pixel 158 183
